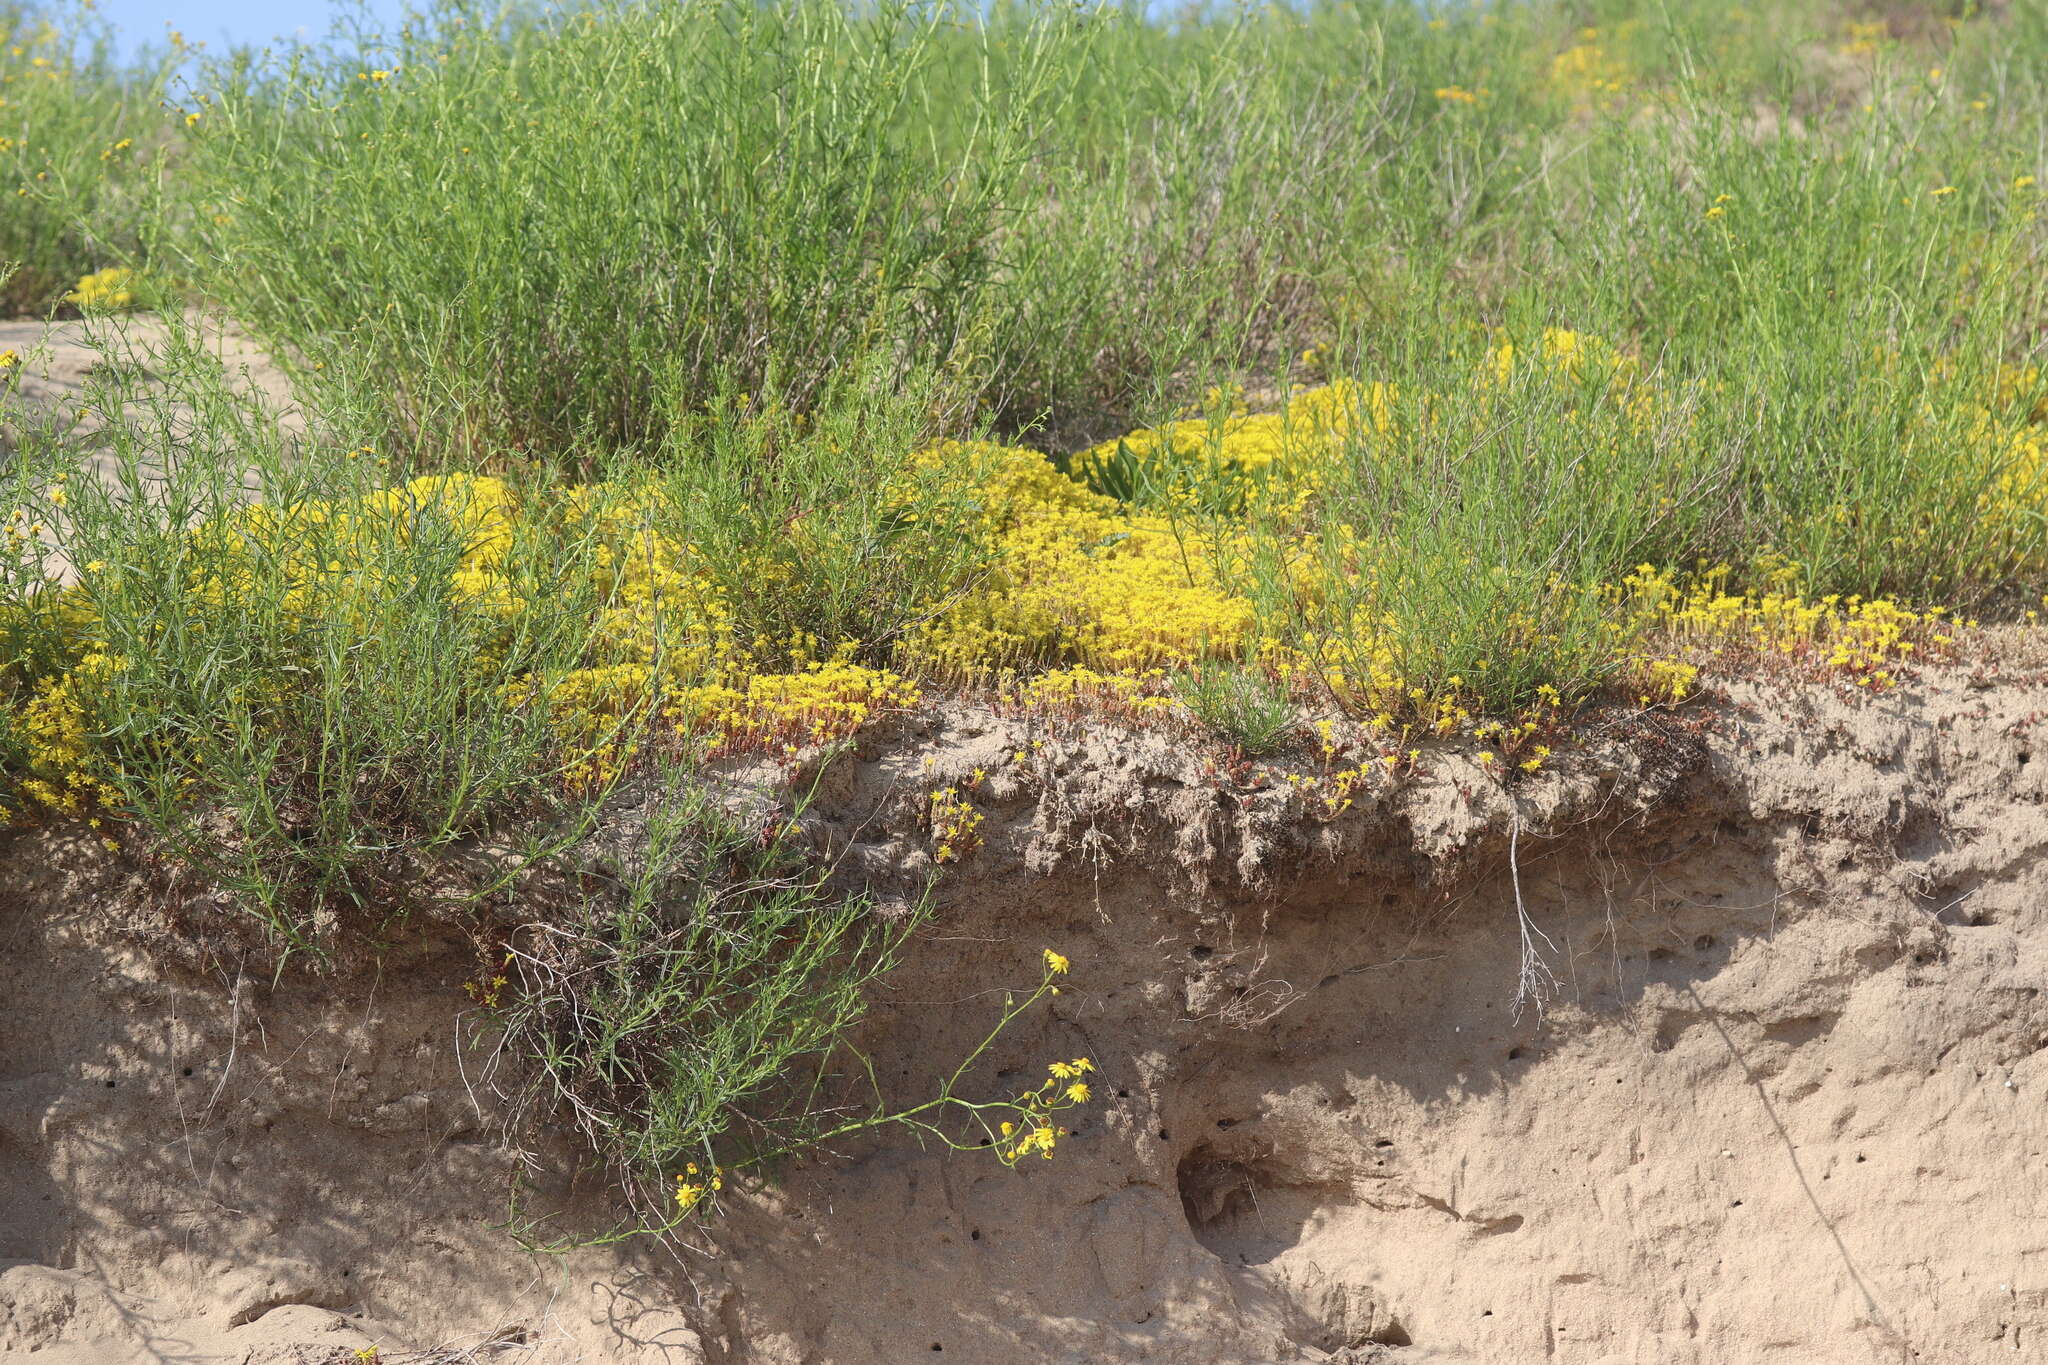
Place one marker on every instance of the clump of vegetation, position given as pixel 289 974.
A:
pixel 78 129
pixel 686 1018
pixel 669 1018
pixel 1256 716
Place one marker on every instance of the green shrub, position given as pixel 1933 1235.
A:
pixel 672 1019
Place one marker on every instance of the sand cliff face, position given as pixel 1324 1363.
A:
pixel 1787 1098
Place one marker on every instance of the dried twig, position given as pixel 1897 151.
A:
pixel 1535 983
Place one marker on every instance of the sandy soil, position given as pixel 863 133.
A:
pixel 1786 1102
pixel 53 389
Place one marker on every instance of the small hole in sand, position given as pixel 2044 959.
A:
pixel 188 1071
pixel 974 1236
pixel 1164 1136
pixel 937 1347
pixel 1225 1123
pixel 1736 1205
pixel 1703 942
pixel 1123 1094
pixel 110 1085
pixel 1514 1054
pixel 1201 952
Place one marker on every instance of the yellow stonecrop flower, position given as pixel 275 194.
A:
pixel 1866 639
pixel 1077 578
pixel 956 825
pixel 1228 444
pixel 59 724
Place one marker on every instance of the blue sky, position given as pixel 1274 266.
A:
pixel 220 22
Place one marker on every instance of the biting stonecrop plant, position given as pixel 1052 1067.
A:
pixel 955 825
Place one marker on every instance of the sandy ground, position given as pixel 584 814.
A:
pixel 59 358
pixel 1788 1100
pixel 51 393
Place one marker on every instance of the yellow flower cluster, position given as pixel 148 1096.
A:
pixel 956 825
pixel 1868 639
pixel 824 701
pixel 1076 691
pixel 57 726
pixel 113 287
pixel 1230 453
pixel 693 1187
pixel 1078 578
pixel 1332 793
pixel 1033 1132
pixel 1865 37
pixel 661 636
pixel 1089 600
pixel 1589 72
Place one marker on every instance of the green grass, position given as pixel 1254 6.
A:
pixel 1244 707
pixel 296 706
pixel 77 132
